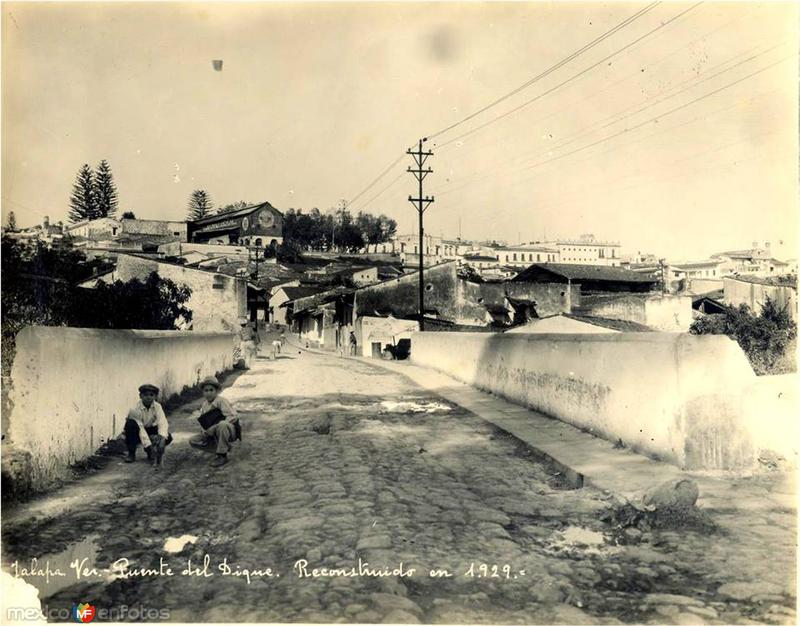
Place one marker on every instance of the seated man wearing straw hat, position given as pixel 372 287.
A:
pixel 219 422
pixel 147 424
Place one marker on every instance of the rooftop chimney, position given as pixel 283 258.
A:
pixel 46 221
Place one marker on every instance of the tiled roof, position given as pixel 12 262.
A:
pixel 237 213
pixel 623 326
pixel 692 264
pixel 585 272
pixel 293 293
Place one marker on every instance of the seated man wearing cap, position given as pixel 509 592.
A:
pixel 147 424
pixel 222 427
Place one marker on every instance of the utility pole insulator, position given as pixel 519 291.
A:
pixel 421 203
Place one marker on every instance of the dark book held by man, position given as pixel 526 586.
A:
pixel 209 418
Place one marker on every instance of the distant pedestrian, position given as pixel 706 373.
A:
pixel 248 344
pixel 353 344
pixel 219 422
pixel 147 425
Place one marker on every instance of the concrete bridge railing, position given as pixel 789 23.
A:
pixel 677 397
pixel 73 387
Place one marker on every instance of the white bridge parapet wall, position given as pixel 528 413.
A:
pixel 677 397
pixel 73 387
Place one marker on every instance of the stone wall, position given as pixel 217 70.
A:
pixel 401 295
pixel 73 387
pixel 702 286
pixel 661 312
pixel 755 294
pixel 217 301
pixel 154 227
pixel 550 298
pixel 678 397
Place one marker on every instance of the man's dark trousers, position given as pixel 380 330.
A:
pixel 132 438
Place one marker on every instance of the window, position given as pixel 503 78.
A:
pixel 538 257
pixel 515 256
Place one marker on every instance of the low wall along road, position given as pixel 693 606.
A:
pixel 676 397
pixel 73 387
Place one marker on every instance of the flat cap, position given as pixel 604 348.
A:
pixel 148 387
pixel 210 380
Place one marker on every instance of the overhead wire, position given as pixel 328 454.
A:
pixel 623 114
pixel 570 79
pixel 531 81
pixel 549 70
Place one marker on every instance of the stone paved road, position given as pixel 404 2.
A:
pixel 343 461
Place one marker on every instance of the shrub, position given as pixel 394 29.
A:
pixel 768 339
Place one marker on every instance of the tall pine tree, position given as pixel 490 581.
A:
pixel 105 191
pixel 82 202
pixel 200 205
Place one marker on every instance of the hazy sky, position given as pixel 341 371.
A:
pixel 315 100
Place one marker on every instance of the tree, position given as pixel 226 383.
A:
pixel 82 201
pixel 39 288
pixel 105 191
pixel 375 229
pixel 129 215
pixel 200 205
pixel 153 303
pixel 12 221
pixel 234 206
pixel 349 236
pixel 767 338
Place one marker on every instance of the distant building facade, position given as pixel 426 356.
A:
pixel 524 255
pixel 178 230
pixel 44 233
pixel 755 261
pixel 97 229
pixel 257 225
pixel 587 250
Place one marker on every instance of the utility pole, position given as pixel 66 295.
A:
pixel 421 203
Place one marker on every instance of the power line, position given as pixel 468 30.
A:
pixel 654 118
pixel 662 115
pixel 384 190
pixel 623 115
pixel 571 78
pixel 377 178
pixel 664 99
pixel 549 70
pixel 704 37
pixel 658 168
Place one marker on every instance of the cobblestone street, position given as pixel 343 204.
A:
pixel 342 461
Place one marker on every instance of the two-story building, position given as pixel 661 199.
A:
pixel 587 250
pixel 524 255
pixel 257 225
pixel 755 261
